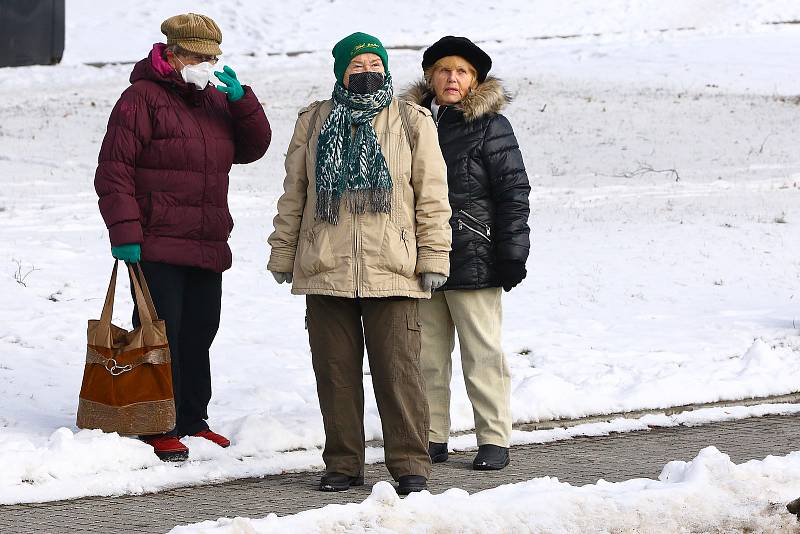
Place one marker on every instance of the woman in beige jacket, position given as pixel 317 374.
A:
pixel 362 230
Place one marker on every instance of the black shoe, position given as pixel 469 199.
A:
pixel 410 483
pixel 491 458
pixel 437 452
pixel 339 482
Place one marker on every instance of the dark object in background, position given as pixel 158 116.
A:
pixel 31 32
pixel 794 507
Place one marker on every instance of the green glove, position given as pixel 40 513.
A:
pixel 128 253
pixel 232 86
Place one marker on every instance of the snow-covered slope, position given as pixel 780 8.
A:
pixel 119 31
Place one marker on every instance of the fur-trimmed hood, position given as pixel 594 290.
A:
pixel 488 97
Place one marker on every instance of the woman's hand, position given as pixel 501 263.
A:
pixel 232 87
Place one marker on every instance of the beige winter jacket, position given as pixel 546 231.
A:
pixel 372 254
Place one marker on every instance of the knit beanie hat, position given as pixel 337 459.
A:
pixel 458 46
pixel 194 33
pixel 352 46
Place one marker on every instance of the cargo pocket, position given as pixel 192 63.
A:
pixel 414 332
pixel 408 345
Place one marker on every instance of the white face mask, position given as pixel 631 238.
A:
pixel 200 74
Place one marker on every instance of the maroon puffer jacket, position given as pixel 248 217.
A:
pixel 162 174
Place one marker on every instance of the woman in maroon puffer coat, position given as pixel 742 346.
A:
pixel 162 179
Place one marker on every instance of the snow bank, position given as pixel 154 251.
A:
pixel 707 494
pixel 87 462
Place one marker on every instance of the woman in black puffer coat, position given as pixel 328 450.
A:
pixel 488 189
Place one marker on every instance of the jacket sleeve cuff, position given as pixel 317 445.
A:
pixel 125 233
pixel 429 261
pixel 245 105
pixel 512 252
pixel 281 261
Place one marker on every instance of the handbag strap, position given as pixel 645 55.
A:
pixel 108 305
pixel 143 305
pixel 146 291
pixel 141 294
pixel 404 118
pixel 312 124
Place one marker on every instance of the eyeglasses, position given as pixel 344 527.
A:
pixel 197 58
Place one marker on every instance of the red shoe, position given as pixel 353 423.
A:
pixel 222 441
pixel 168 448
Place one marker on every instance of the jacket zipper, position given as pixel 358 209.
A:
pixel 355 218
pixel 462 225
pixel 474 219
pixel 205 161
pixel 355 254
pixel 439 114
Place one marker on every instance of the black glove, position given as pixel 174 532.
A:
pixel 510 273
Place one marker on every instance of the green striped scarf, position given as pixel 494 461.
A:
pixel 350 166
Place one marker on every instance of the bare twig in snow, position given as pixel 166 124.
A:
pixel 760 148
pixel 19 276
pixel 646 168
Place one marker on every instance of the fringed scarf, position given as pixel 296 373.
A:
pixel 350 166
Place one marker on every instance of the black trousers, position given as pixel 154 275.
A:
pixel 188 299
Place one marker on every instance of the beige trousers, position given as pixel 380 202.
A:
pixel 476 315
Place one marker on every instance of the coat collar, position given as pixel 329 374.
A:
pixel 156 69
pixel 488 97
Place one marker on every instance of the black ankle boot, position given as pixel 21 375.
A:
pixel 491 458
pixel 437 452
pixel 339 482
pixel 409 483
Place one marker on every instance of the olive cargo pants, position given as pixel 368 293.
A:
pixel 338 329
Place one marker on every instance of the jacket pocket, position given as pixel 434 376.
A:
pixel 230 222
pixel 145 203
pixel 399 250
pixel 314 252
pixel 470 223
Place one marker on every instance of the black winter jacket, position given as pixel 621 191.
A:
pixel 488 184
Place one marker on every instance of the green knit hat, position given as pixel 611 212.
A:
pixel 354 45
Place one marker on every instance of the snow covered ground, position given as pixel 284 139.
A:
pixel 252 27
pixel 708 494
pixel 645 289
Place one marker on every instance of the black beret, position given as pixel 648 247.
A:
pixel 458 46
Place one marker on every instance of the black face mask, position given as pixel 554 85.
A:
pixel 365 83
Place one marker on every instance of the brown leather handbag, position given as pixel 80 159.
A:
pixel 127 381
